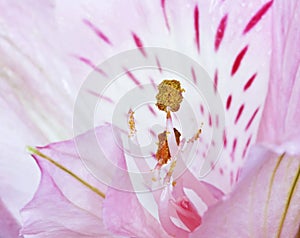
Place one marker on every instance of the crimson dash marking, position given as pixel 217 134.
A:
pixel 139 44
pixel 209 120
pixel 133 78
pixel 246 147
pixel 224 139
pixel 228 102
pixel 194 75
pixel 196 27
pixel 153 134
pixel 249 82
pixel 158 64
pixel 220 32
pixel 256 18
pixel 101 96
pixel 251 119
pixel 238 60
pixel 163 6
pixel 221 171
pixel 212 165
pixel 241 109
pixel 91 64
pixel 152 110
pixel 233 149
pixel 97 31
pixel 153 83
pixel 202 109
pixel 216 81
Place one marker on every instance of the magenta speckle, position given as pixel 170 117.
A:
pixel 216 81
pixel 133 78
pixel 251 119
pixel 202 109
pixel 249 82
pixel 220 32
pixel 238 115
pixel 139 44
pixel 196 27
pixel 256 18
pixel 209 120
pixel 224 139
pixel 99 33
pixel 158 64
pixel 221 171
pixel 91 64
pixel 194 75
pixel 246 147
pixel 107 99
pixel 238 60
pixel 228 102
pixel 152 110
pixel 163 6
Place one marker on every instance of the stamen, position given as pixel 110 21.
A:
pixel 195 137
pixel 131 123
pixel 172 138
pixel 169 95
pixel 168 98
pixel 163 154
pixel 170 172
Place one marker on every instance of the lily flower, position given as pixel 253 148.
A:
pixel 248 49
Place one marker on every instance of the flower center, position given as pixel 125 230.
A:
pixel 169 146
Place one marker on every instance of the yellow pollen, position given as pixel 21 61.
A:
pixel 171 170
pixel 163 153
pixel 169 95
pixel 195 137
pixel 131 123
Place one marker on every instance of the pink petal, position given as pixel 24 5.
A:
pixel 9 227
pixel 178 204
pixel 122 212
pixel 52 214
pixel 164 216
pixel 187 213
pixel 281 113
pixel 65 179
pixel 184 207
pixel 264 203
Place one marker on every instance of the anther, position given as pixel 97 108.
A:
pixel 131 123
pixel 169 95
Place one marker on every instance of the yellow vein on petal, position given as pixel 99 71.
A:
pixel 270 191
pixel 290 195
pixel 37 152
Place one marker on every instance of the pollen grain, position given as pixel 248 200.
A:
pixel 169 95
